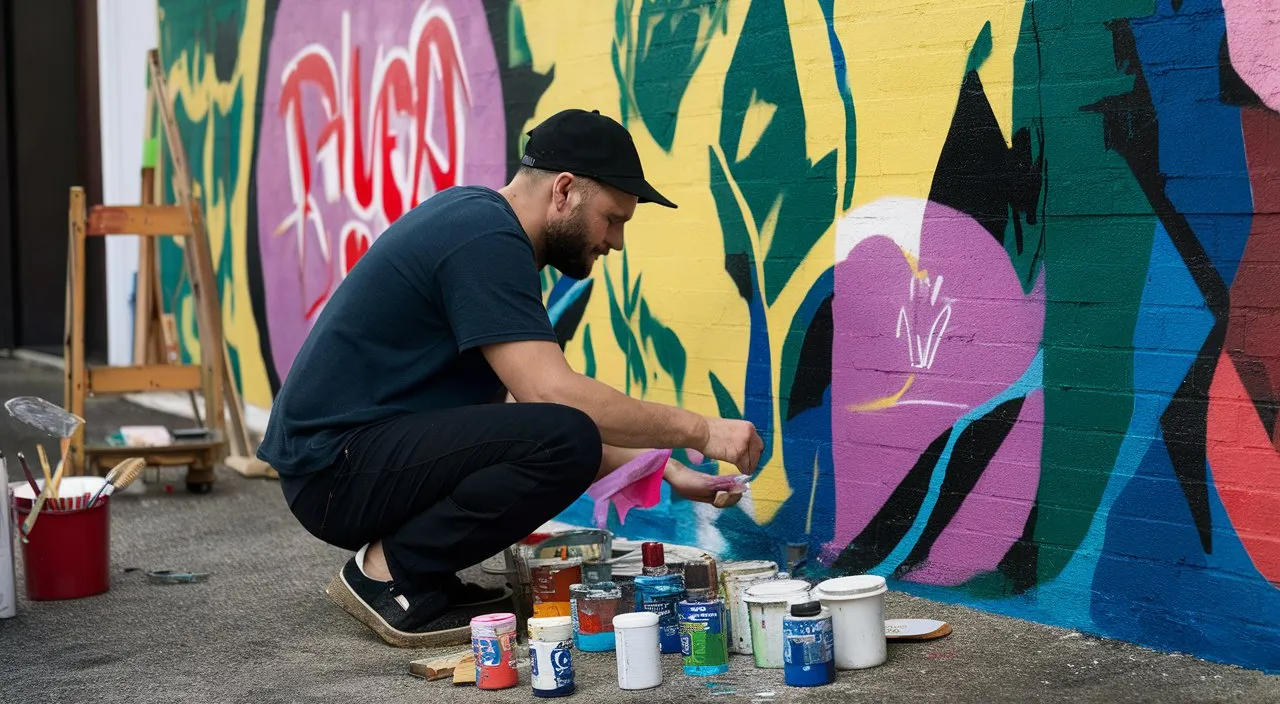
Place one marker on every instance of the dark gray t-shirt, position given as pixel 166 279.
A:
pixel 401 333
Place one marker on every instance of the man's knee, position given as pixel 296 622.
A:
pixel 577 442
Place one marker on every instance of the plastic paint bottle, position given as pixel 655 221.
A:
pixel 857 619
pixel 493 637
pixel 551 662
pixel 808 648
pixel 639 659
pixel 702 638
pixel 660 595
pixel 594 607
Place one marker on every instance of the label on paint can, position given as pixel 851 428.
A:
pixel 809 642
pixel 552 667
pixel 668 619
pixel 702 636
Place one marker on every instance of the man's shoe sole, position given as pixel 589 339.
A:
pixel 344 596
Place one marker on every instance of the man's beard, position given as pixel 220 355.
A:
pixel 567 247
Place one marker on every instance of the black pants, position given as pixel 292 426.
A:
pixel 448 489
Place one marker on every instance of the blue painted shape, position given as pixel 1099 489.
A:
pixel 1201 144
pixel 757 405
pixel 1176 596
pixel 563 294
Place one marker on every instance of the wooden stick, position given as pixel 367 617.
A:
pixel 44 466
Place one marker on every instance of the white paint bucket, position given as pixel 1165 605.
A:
pixel 735 578
pixel 639 653
pixel 767 604
pixel 857 619
pixel 8 582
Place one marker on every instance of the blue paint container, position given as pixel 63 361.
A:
pixel 808 646
pixel 659 594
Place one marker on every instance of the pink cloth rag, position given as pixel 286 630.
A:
pixel 636 484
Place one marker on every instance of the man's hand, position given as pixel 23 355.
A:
pixel 734 441
pixel 697 486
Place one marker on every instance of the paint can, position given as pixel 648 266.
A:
pixel 550 580
pixel 594 607
pixel 493 638
pixel 659 595
pixel 735 577
pixel 808 650
pixel 767 606
pixel 639 650
pixel 596 571
pixel 702 638
pixel 857 619
pixel 551 662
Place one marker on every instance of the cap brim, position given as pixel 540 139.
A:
pixel 637 187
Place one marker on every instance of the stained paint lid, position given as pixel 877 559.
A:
pixel 742 568
pixel 493 624
pixel 550 628
pixel 853 587
pixel 636 619
pixel 777 591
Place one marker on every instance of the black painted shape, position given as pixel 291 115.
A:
pixel 522 87
pixel 1130 129
pixel 813 368
pixel 895 517
pixel 572 316
pixel 257 287
pixel 1020 563
pixel 978 175
pixel 223 36
pixel 1257 382
pixel 738 264
pixel 1232 90
pixel 973 450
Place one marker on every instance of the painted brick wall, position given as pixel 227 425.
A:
pixel 997 283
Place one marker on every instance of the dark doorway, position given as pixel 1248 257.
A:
pixel 49 129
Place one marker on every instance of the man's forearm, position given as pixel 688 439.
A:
pixel 614 457
pixel 626 422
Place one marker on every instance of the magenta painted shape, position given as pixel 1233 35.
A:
pixel 1253 40
pixel 985 333
pixel 992 517
pixel 344 152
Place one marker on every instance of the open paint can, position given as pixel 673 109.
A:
pixel 735 578
pixel 767 605
pixel 857 619
pixel 550 579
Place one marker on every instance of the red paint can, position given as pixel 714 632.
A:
pixel 493 639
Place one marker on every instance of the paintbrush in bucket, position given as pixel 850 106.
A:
pixel 120 476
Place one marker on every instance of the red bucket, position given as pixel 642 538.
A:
pixel 67 555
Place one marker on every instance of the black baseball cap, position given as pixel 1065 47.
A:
pixel 592 145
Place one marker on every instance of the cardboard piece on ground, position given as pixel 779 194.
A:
pixel 464 671
pixel 250 467
pixel 439 668
pixel 915 629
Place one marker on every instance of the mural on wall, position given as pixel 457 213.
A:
pixel 993 282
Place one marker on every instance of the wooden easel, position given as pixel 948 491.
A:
pixel 155 365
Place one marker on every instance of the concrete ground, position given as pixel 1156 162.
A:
pixel 260 629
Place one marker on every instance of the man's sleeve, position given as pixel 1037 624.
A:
pixel 491 292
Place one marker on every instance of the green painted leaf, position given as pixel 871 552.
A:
pixel 625 338
pixel 762 135
pixel 728 407
pixel 628 301
pixel 981 50
pixel 588 351
pixel 659 57
pixel 666 346
pixel 635 296
pixel 739 254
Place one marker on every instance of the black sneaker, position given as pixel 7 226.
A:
pixel 403 617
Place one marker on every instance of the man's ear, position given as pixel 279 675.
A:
pixel 560 187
